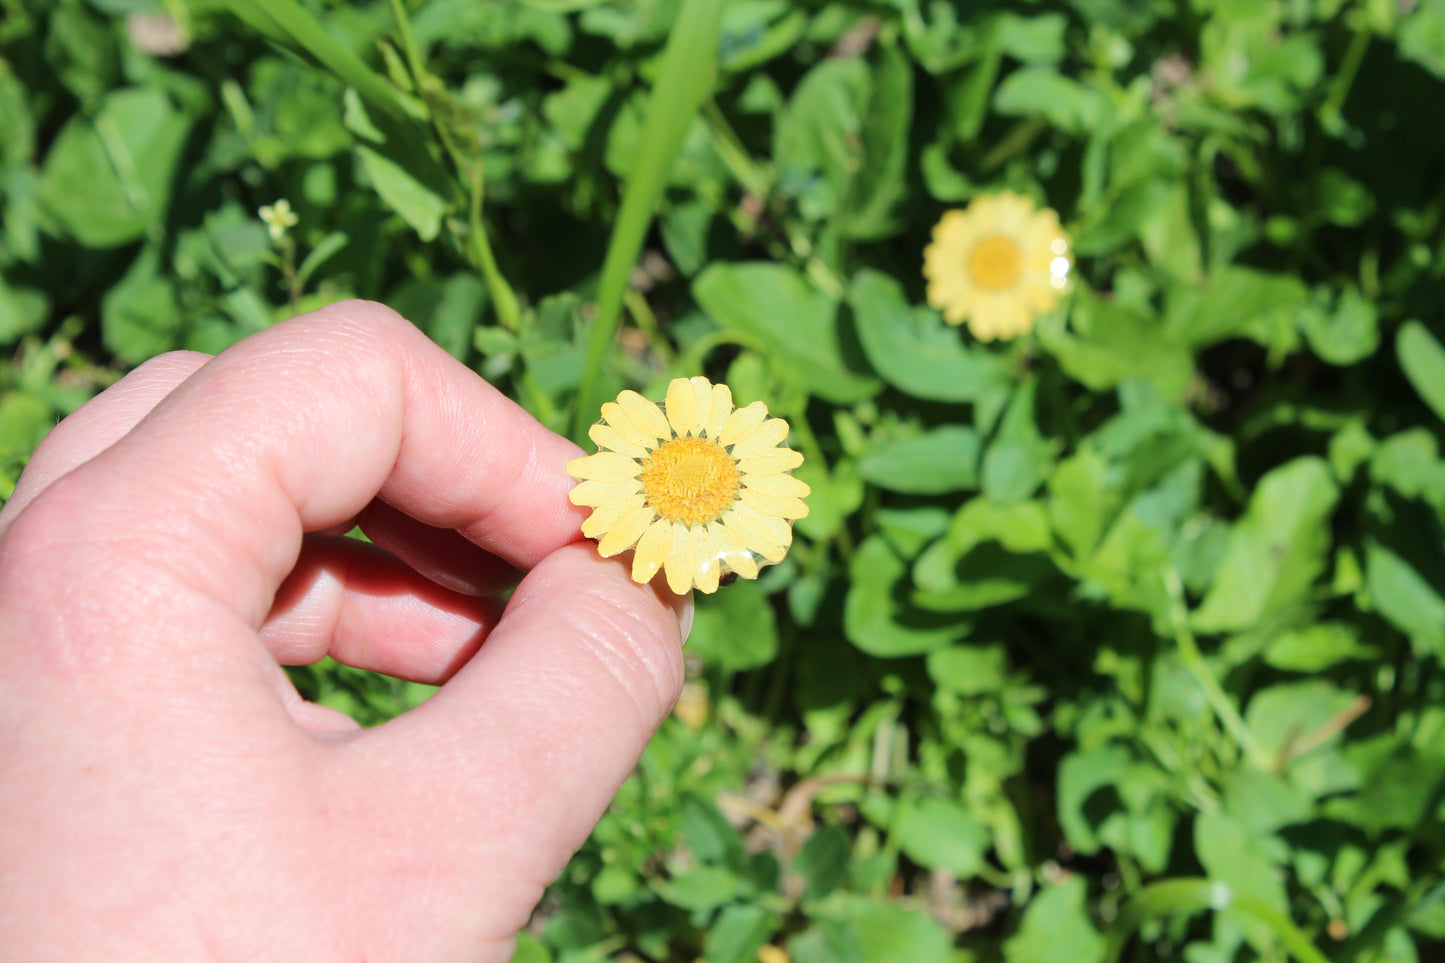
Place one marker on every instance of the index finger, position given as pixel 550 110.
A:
pixel 296 429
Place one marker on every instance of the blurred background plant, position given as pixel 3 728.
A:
pixel 1120 640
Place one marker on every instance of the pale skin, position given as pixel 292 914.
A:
pixel 164 791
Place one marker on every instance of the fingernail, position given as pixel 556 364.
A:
pixel 684 617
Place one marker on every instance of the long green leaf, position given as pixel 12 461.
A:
pixel 1174 896
pixel 1424 362
pixel 288 22
pixel 689 64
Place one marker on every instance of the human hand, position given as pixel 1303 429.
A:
pixel 167 793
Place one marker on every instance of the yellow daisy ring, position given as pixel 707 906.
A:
pixel 997 265
pixel 695 487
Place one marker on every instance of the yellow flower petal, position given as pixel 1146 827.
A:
pixel 732 551
pixel 594 493
pixel 645 415
pixel 709 567
pixel 770 460
pixel 625 532
pixel 681 560
pixel 651 550
pixel 608 438
pixel 778 486
pixel 604 466
pixel 613 414
pixel 780 528
pixel 609 515
pixel 754 534
pixel 741 423
pixel 777 507
pixel 767 435
pixel 722 406
pixel 682 407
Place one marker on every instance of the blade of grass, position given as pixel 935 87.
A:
pixel 1174 896
pixel 287 21
pixel 684 81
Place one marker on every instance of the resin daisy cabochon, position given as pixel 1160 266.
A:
pixel 997 265
pixel 695 487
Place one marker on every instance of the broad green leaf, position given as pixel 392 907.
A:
pixel 915 351
pixel 107 178
pixel 835 497
pixel 1062 101
pixel 1232 856
pixel 889 933
pixel 822 863
pixel 141 316
pixel 404 167
pixel 1405 597
pixel 22 311
pixel 1238 302
pixel 738 932
pixel 1018 457
pixel 876 614
pixel 1423 361
pixel 24 421
pixel 877 189
pixel 940 834
pixel 1293 719
pixel 1276 550
pixel 1345 335
pixel 1315 648
pixel 777 309
pixel 1056 928
pixel 969 668
pixel 735 630
pixel 1081 502
pixel 940 460
pixel 991 555
pixel 826 941
pixel 1112 342
pixel 702 888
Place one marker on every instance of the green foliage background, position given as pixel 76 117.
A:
pixel 1120 641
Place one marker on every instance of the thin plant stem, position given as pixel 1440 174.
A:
pixel 1194 662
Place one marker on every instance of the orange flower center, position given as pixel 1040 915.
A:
pixel 690 480
pixel 995 263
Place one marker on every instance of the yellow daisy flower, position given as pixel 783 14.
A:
pixel 695 487
pixel 997 265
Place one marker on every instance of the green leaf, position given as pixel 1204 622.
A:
pixel 738 933
pixel 1043 92
pixel 1238 302
pixel 940 834
pixel 822 863
pixel 876 615
pixel 403 167
pixel 1423 361
pixel 1346 335
pixel 877 189
pixel 889 933
pixel 1405 597
pixel 735 630
pixel 1315 648
pixel 826 941
pixel 1114 342
pixel 937 461
pixel 107 178
pixel 777 309
pixel 141 316
pixel 1276 550
pixel 22 311
pixel 684 80
pixel 1056 928
pixel 1018 458
pixel 915 351
pixel 1232 856
pixel 24 421
pixel 703 888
